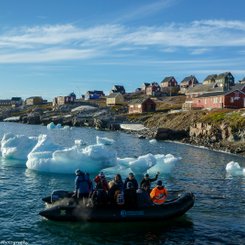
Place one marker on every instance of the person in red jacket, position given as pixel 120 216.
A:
pixel 159 193
pixel 101 182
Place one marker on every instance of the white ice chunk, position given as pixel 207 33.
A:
pixel 234 169
pixel 17 146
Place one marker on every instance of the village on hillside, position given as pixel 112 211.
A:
pixel 216 91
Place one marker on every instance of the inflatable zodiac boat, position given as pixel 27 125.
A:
pixel 71 211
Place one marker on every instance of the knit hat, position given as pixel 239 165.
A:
pixel 159 182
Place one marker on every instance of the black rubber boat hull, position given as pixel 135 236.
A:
pixel 168 210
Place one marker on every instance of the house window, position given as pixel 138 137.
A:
pixel 215 100
pixel 232 100
pixel 139 106
pixel 205 101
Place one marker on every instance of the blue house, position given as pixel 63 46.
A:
pixel 93 95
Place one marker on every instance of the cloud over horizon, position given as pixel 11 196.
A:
pixel 45 43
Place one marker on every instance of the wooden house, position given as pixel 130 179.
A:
pixel 153 89
pixel 118 89
pixel 210 79
pixel 93 95
pixel 225 80
pixel 35 100
pixel 169 86
pixel 234 98
pixel 187 82
pixel 141 106
pixel 144 86
pixel 62 100
pixel 115 99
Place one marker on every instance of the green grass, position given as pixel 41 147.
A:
pixel 234 119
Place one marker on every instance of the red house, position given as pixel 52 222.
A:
pixel 141 106
pixel 231 99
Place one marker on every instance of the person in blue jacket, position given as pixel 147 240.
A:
pixel 82 185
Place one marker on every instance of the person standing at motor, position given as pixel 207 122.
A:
pixel 82 185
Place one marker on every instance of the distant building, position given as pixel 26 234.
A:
pixel 187 82
pixel 225 80
pixel 153 89
pixel 141 106
pixel 169 86
pixel 118 89
pixel 62 100
pixel 242 81
pixel 210 79
pixel 144 86
pixel 213 84
pixel 14 101
pixel 233 98
pixel 92 95
pixel 35 100
pixel 115 99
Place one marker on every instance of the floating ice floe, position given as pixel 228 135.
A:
pixel 52 125
pixel 153 141
pixel 234 169
pixel 42 154
pixel 48 157
pixel 17 146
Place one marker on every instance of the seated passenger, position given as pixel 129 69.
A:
pixel 131 179
pixel 159 193
pixel 101 182
pixel 143 197
pixel 130 196
pixel 118 182
pixel 99 196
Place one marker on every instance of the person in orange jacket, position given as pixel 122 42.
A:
pixel 159 193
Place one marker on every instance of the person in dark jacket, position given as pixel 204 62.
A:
pixel 143 197
pixel 131 179
pixel 115 187
pixel 147 181
pixel 130 196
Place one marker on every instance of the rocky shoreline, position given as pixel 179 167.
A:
pixel 183 126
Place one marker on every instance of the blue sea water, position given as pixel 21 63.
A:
pixel 218 216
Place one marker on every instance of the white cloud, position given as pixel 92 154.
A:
pixel 61 42
pixel 200 51
pixel 46 56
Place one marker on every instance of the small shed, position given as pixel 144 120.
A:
pixel 115 99
pixel 141 106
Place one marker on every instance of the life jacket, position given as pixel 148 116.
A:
pixel 158 196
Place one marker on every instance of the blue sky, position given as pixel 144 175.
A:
pixel 54 47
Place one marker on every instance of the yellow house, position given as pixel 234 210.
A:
pixel 35 100
pixel 115 99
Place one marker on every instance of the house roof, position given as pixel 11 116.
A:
pixel 167 79
pixel 205 88
pixel 96 92
pixel 187 79
pixel 139 101
pixel 113 95
pixel 34 97
pixel 222 75
pixel 210 77
pixel 211 94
